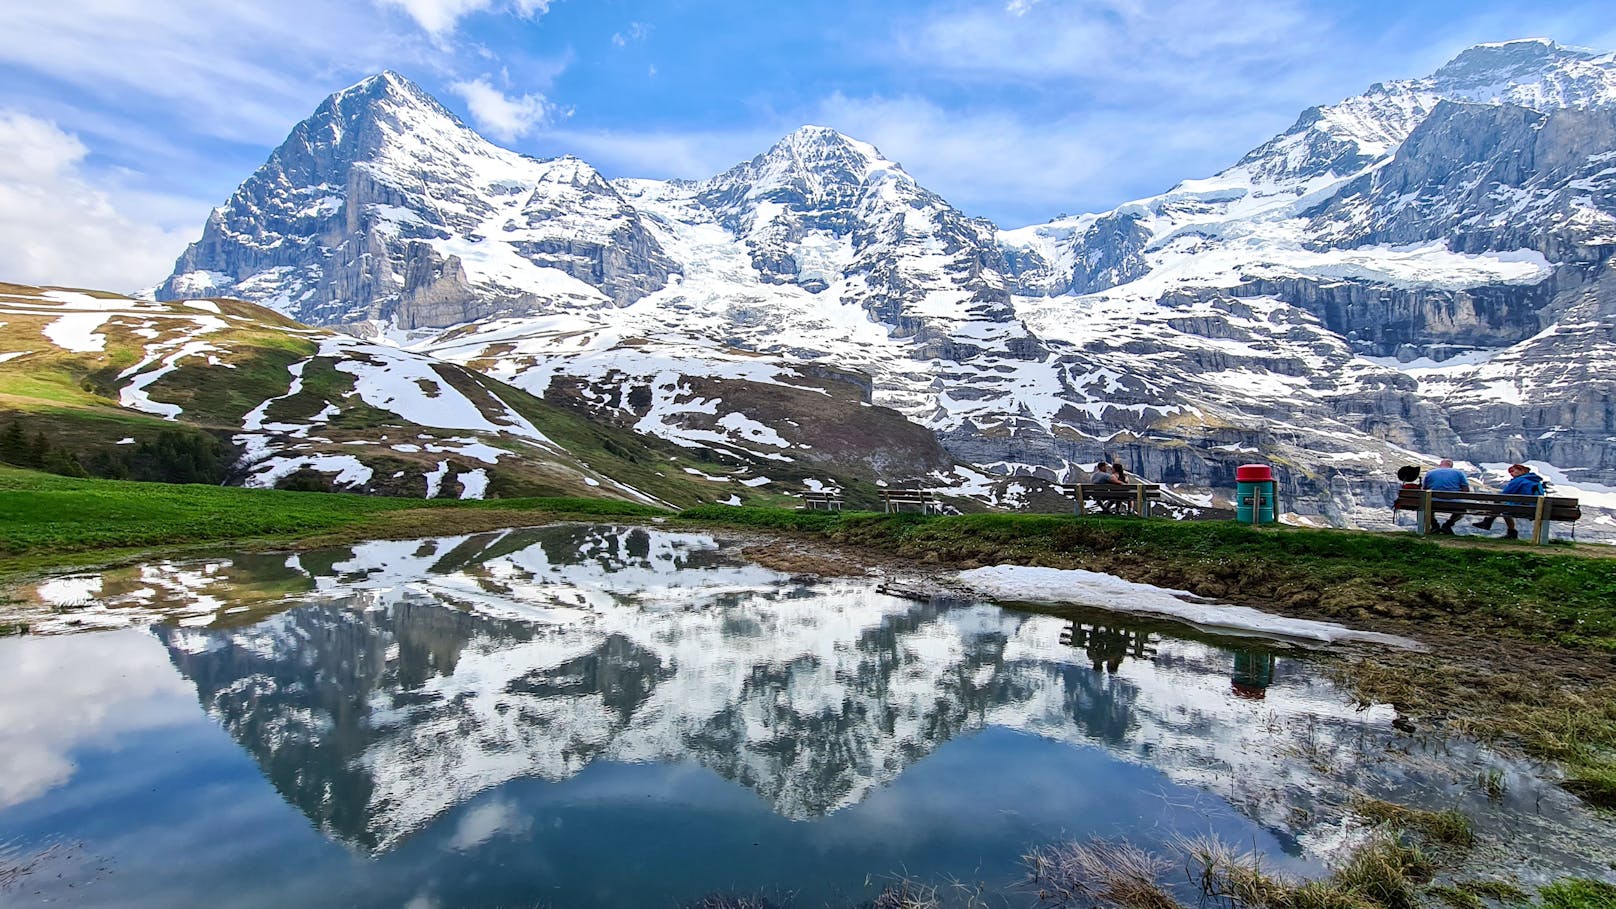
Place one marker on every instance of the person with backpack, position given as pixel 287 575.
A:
pixel 1522 482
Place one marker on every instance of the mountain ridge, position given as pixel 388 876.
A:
pixel 1253 313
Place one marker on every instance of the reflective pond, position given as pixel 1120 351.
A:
pixel 595 716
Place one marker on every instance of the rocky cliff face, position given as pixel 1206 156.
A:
pixel 1341 300
pixel 1444 228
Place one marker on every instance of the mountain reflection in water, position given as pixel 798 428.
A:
pixel 421 674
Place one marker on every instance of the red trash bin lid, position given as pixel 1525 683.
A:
pixel 1253 473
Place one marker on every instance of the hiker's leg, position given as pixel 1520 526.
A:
pixel 1447 526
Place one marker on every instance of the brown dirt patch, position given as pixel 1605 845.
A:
pixel 794 558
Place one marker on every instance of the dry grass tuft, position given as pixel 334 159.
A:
pixel 1099 873
pixel 1442 828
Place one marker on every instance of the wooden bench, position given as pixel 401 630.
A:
pixel 1540 510
pixel 900 499
pixel 822 500
pixel 1137 496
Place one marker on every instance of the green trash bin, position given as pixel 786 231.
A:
pixel 1255 494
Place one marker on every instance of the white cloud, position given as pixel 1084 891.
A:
pixel 503 117
pixel 1124 43
pixel 499 817
pixel 636 32
pixel 231 69
pixel 440 17
pixel 116 683
pixel 57 226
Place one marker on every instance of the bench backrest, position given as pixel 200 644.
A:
pixel 1120 490
pixel 1555 508
pixel 907 495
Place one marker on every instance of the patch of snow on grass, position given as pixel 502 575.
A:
pixel 1091 588
pixel 69 591
pixel 349 470
pixel 434 479
pixel 474 484
pixel 407 384
pixel 254 420
pixel 134 396
pixel 77 332
pixel 471 448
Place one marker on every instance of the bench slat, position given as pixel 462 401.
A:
pixel 1540 510
pixel 1138 494
pixel 921 497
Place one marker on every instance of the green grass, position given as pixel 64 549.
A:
pixel 44 517
pixel 1578 893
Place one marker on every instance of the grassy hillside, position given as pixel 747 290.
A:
pixel 101 385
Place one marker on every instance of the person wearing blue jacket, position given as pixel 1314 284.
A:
pixel 1446 478
pixel 1522 482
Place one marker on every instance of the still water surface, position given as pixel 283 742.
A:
pixel 586 716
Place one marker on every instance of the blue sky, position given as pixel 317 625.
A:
pixel 122 124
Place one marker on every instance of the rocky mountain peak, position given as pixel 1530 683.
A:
pixel 1532 72
pixel 814 166
pixel 1485 64
pixel 821 146
pixel 385 98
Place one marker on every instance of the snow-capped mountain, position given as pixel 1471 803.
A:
pixel 382 205
pixel 1454 229
pixel 1414 271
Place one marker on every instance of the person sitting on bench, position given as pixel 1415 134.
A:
pixel 1446 478
pixel 1522 482
pixel 1103 474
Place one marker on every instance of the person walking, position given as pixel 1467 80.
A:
pixel 1445 478
pixel 1522 482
